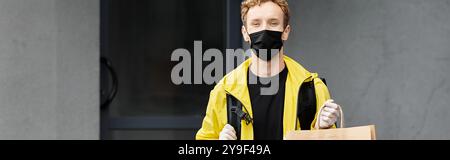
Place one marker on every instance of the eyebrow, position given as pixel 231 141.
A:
pixel 258 19
pixel 273 19
pixel 255 20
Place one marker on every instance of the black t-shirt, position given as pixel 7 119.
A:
pixel 268 108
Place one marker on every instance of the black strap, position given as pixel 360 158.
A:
pixel 324 81
pixel 235 113
pixel 232 107
pixel 306 104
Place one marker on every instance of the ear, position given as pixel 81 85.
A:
pixel 286 32
pixel 245 34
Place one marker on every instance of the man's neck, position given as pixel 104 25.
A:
pixel 270 68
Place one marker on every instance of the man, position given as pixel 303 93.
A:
pixel 265 27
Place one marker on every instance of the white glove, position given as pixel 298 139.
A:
pixel 329 114
pixel 227 133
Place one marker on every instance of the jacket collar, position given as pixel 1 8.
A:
pixel 235 83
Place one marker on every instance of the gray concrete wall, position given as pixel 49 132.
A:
pixel 387 62
pixel 49 51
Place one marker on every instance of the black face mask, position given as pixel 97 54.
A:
pixel 267 40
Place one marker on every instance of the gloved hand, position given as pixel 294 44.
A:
pixel 329 114
pixel 227 133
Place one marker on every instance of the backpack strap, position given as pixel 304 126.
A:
pixel 235 114
pixel 306 104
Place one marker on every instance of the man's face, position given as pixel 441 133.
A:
pixel 267 16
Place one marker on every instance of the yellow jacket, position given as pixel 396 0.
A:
pixel 235 84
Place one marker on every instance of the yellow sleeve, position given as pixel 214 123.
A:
pixel 211 125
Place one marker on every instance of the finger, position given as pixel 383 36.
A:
pixel 333 120
pixel 328 109
pixel 331 105
pixel 324 124
pixel 331 110
pixel 233 137
pixel 232 130
pixel 229 127
pixel 325 109
pixel 325 112
pixel 231 134
pixel 326 120
pixel 329 114
pixel 329 101
pixel 227 137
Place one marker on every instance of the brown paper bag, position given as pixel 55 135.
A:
pixel 353 133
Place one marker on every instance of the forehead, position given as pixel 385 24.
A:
pixel 266 10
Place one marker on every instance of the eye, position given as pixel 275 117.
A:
pixel 273 23
pixel 255 24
